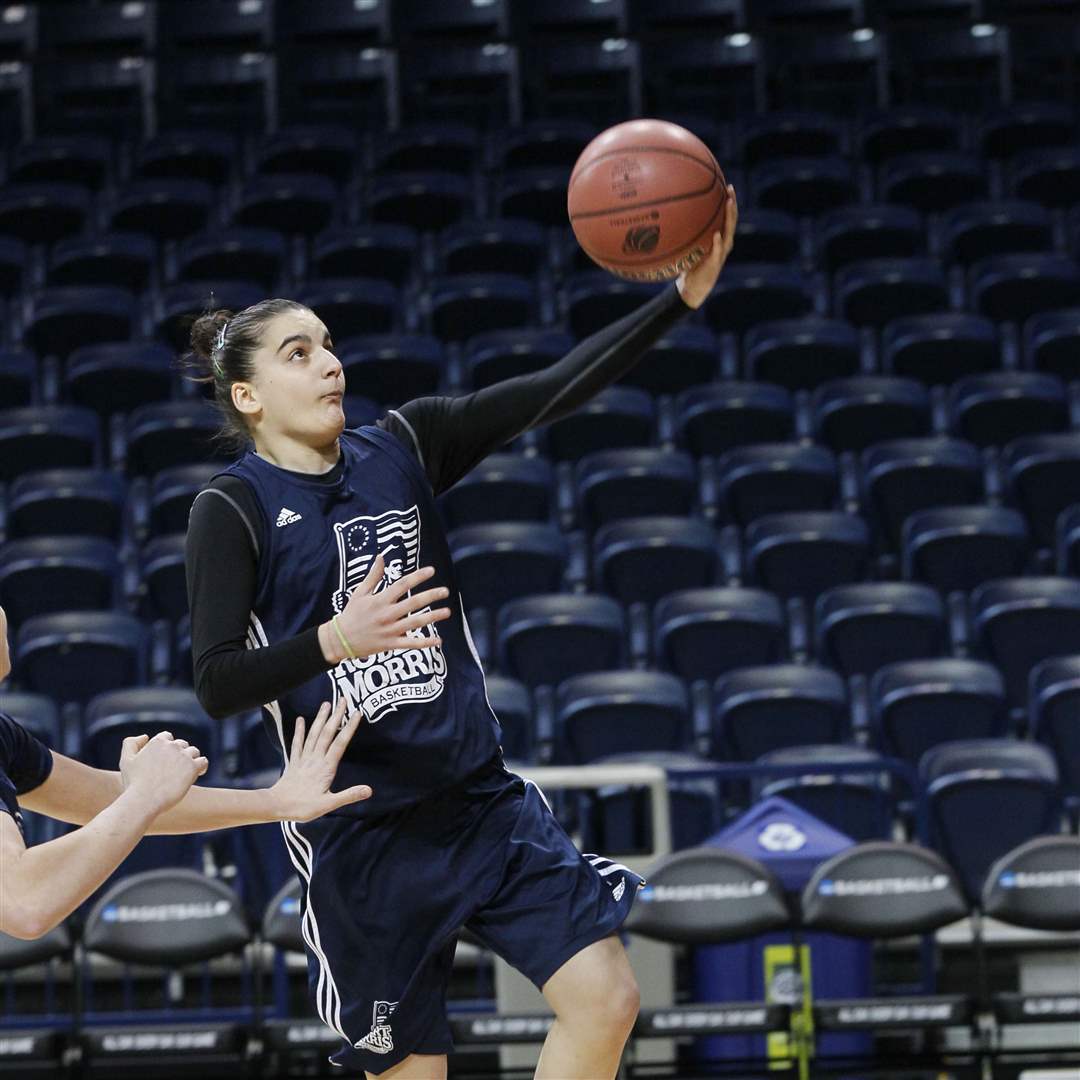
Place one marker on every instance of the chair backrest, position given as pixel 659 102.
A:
pixel 706 896
pixel 1036 885
pixel 282 920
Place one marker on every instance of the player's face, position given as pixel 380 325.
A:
pixel 5 654
pixel 299 384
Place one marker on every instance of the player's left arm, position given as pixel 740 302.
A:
pixel 77 793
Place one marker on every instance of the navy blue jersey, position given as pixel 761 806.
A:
pixel 429 721
pixel 25 763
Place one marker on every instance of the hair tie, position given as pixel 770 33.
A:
pixel 220 343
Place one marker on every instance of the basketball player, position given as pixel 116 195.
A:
pixel 316 563
pixel 152 793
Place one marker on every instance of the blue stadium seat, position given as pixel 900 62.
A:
pixel 788 134
pixel 256 751
pixel 712 419
pixel 1043 479
pixel 259 855
pixel 983 797
pixel 174 308
pixel 616 417
pixel 760 709
pixel 200 24
pixel 12 265
pixel 700 633
pixel 502 487
pixel 42 213
pixel 162 207
pixel 853 413
pixel 597 79
pixel 594 299
pixel 805 186
pixel 388 252
pixel 445 147
pixel 47 437
pixel 618 712
pixel 550 141
pixel 805 553
pixel 504 560
pixel 1052 343
pixel 1052 713
pixel 18 378
pixel 643 559
pixel 775 478
pixel 1019 621
pixel 58 502
pixel 874 291
pixel 542 640
pixel 876 231
pixel 906 129
pixel 918 704
pixel 245 254
pixel 352 306
pixel 425 201
pixel 906 475
pixel 73 159
pixel 204 155
pixel 708 73
pixel 512 246
pixel 61 318
pixel 335 23
pixel 466 304
pixel 859 805
pixel 751 293
pixel 769 236
pixel 940 347
pixel 172 492
pixel 125 260
pixel 996 407
pixel 1012 288
pixel 1067 532
pixel 327 149
pixel 981 230
pixel 38 713
pixel 512 704
pixel 634 482
pixel 958 547
pixel 1050 175
pixel 932 181
pixel 1025 125
pixel 860 628
pixel 72 656
pixel 118 376
pixel 685 356
pixel 113 716
pixel 161 566
pixel 291 203
pixel 392 368
pixel 174 433
pixel 502 354
pixel 473 82
pixel 44 574
pixel 800 354
pixel 536 195
pixel 110 96
pixel 341 85
pixel 222 89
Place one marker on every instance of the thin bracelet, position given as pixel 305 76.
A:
pixel 343 639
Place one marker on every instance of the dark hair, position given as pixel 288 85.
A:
pixel 223 346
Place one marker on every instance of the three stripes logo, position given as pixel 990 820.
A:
pixel 287 517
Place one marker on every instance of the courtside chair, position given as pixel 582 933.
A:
pixel 872 292
pixel 187 154
pixel 932 181
pixel 424 201
pixel 502 487
pixel 981 230
pixel 60 319
pixel 686 356
pixel 57 502
pixel 918 704
pixel 42 213
pixel 618 416
pixel 163 207
pixel 502 354
pixel 1053 717
pixel 633 482
pixel 715 418
pixel 801 353
pixel 906 129
pixel 1025 125
pixel 46 574
pixel 125 260
pixel 940 347
pixel 853 413
pixel 241 253
pixel 386 252
pixel 1052 343
pixel 48 437
pixel 118 376
pixel 328 149
pixel 804 186
pixel 392 368
pixel 290 203
pixel 870 231
pixel 752 293
pixel 352 306
pixel 1042 479
pixel 1049 175
pixel 773 478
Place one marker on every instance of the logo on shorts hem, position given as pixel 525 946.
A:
pixel 379 1040
pixel 617 892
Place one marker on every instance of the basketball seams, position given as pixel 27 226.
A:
pixel 710 165
pixel 649 202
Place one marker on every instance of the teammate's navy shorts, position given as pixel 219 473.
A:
pixel 388 896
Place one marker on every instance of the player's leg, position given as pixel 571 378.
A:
pixel 595 999
pixel 415 1067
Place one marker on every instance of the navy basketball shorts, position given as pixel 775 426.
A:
pixel 386 898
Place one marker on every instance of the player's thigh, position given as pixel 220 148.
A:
pixel 415 1067
pixel 596 985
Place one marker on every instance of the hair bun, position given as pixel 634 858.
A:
pixel 205 331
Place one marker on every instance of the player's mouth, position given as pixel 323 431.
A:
pixel 336 395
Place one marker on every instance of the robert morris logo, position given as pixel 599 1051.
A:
pixel 641 239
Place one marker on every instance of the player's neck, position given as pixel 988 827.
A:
pixel 296 457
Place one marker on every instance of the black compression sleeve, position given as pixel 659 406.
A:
pixel 453 434
pixel 222 574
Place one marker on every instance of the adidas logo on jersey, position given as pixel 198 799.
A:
pixel 287 516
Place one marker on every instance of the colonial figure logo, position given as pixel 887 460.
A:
pixel 377 684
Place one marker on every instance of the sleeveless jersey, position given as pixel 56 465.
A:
pixel 428 723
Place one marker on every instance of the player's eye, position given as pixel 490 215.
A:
pixel 295 353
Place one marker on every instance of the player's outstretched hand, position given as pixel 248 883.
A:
pixel 695 285
pixel 5 652
pixel 303 792
pixel 161 769
pixel 375 622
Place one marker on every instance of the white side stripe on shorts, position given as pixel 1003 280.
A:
pixel 606 866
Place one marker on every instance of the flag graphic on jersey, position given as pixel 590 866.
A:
pixel 377 684
pixel 379 1039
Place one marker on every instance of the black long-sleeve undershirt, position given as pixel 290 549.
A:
pixel 449 435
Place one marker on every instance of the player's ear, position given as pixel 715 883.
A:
pixel 246 398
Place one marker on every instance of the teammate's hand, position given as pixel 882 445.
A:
pixel 695 285
pixel 162 769
pixel 5 652
pixel 380 622
pixel 303 792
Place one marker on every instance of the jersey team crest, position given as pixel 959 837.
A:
pixel 378 684
pixel 379 1039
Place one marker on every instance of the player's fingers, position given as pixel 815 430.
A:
pixel 343 737
pixel 731 218
pixel 181 743
pixel 330 727
pixel 192 752
pixel 131 746
pixel 317 726
pixel 349 795
pixel 404 642
pixel 201 765
pixel 419 600
pixel 297 739
pixel 163 736
pixel 374 576
pixel 423 618
pixel 409 581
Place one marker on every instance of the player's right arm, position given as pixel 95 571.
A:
pixel 40 886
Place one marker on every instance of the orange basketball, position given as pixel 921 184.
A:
pixel 645 198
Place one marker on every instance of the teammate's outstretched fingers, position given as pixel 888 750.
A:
pixel 420 600
pixel 425 618
pixel 330 727
pixel 317 726
pixel 373 576
pixel 297 740
pixel 343 737
pixel 409 581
